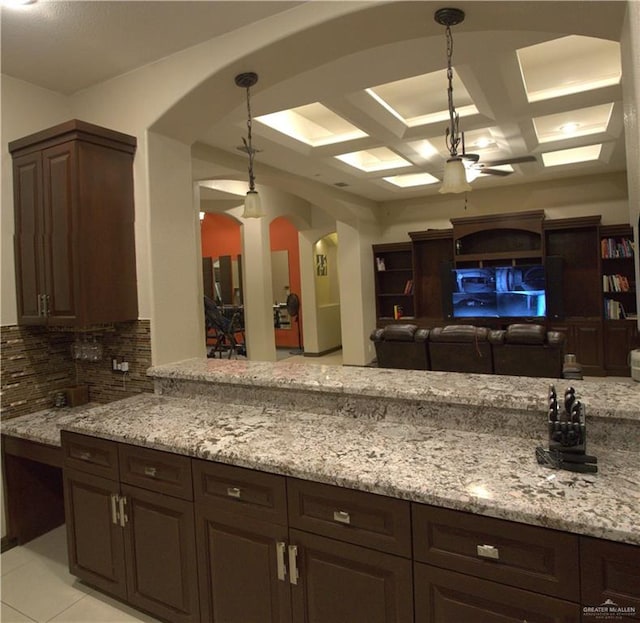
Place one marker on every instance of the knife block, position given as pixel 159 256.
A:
pixel 567 431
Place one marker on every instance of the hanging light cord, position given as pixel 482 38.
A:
pixel 452 135
pixel 247 143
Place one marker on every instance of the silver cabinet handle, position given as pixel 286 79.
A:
pixel 150 471
pixel 234 492
pixel 293 564
pixel 341 517
pixel 488 551
pixel 282 569
pixel 85 456
pixel 114 508
pixel 122 502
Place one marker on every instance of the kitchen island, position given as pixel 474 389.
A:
pixel 455 444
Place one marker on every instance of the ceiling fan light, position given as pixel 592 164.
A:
pixel 455 178
pixel 252 205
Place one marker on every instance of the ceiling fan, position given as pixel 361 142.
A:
pixel 486 167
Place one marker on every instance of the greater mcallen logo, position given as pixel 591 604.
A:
pixel 609 610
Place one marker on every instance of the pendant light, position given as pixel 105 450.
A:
pixel 454 179
pixel 252 203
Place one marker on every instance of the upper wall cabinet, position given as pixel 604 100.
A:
pixel 499 239
pixel 74 226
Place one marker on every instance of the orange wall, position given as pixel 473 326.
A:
pixel 220 235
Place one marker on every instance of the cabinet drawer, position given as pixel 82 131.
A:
pixel 239 490
pixel 354 516
pixel 156 471
pixel 610 571
pixel 537 559
pixel 445 596
pixel 90 454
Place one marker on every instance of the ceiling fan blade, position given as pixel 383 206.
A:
pixel 516 160
pixel 495 172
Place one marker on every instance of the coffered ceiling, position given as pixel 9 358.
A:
pixel 533 105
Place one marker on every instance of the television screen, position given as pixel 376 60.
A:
pixel 499 292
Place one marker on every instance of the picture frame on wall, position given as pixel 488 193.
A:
pixel 321 265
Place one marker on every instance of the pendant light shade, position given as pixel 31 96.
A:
pixel 455 177
pixel 252 205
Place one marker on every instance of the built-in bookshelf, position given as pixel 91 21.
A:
pixel 394 282
pixel 618 272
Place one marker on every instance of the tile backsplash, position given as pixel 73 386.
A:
pixel 37 363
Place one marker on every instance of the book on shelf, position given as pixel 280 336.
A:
pixel 613 310
pixel 615 283
pixel 397 312
pixel 616 248
pixel 408 287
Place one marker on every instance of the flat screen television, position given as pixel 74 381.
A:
pixel 499 292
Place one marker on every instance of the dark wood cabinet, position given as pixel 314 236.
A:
pixel 610 571
pixel 584 338
pixel 135 543
pixel 242 536
pixel 276 549
pixel 242 568
pixel 444 596
pixel 95 538
pixel 347 583
pixel 73 188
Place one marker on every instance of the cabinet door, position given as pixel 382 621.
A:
pixel 61 231
pixel 345 583
pixel 618 341
pixel 29 238
pixel 159 540
pixel 94 536
pixel 241 569
pixel 589 350
pixel 611 571
pixel 448 597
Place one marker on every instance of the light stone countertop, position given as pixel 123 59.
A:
pixel 603 398
pixel 488 471
pixel 468 471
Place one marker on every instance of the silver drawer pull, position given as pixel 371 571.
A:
pixel 293 564
pixel 234 492
pixel 85 456
pixel 114 508
pixel 280 552
pixel 488 551
pixel 150 471
pixel 341 517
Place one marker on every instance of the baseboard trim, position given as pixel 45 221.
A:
pixel 7 544
pixel 324 352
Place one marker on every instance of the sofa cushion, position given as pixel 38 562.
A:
pixel 399 332
pixel 525 334
pixel 458 333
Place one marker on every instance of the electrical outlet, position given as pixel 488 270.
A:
pixel 120 366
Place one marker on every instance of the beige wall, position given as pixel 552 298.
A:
pixel 604 195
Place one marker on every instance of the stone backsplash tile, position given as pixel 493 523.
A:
pixel 37 363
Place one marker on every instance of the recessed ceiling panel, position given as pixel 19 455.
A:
pixel 378 159
pixel 411 179
pixel 423 99
pixel 569 65
pixel 571 156
pixel 313 124
pixel 565 125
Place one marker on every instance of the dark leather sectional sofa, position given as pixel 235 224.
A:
pixel 520 349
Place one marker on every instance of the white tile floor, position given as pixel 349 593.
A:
pixel 37 587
